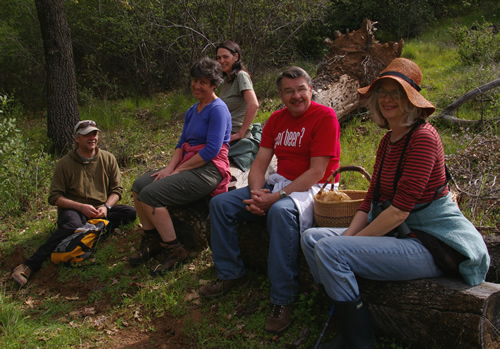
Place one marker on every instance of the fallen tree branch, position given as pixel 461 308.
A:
pixel 447 114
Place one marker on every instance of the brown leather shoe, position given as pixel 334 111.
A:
pixel 219 287
pixel 172 255
pixel 21 274
pixel 279 319
pixel 149 248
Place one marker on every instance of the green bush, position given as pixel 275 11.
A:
pixel 396 18
pixel 25 169
pixel 479 44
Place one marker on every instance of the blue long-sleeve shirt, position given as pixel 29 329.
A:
pixel 211 127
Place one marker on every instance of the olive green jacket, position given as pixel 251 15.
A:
pixel 86 182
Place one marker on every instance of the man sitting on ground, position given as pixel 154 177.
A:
pixel 86 184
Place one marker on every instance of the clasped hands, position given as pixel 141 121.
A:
pixel 90 211
pixel 260 201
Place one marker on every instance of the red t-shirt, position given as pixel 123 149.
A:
pixel 422 173
pixel 295 140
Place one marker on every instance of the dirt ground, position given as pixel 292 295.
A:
pixel 162 332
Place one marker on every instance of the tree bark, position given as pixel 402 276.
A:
pixel 62 104
pixel 435 313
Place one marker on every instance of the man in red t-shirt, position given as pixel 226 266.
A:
pixel 304 136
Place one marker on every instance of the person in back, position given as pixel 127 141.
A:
pixel 237 90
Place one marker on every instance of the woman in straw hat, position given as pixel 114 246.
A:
pixel 407 227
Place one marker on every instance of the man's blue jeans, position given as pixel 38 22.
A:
pixel 226 211
pixel 336 260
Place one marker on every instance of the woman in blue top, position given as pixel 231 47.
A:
pixel 199 167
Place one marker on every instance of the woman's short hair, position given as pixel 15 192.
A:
pixel 207 68
pixel 410 112
pixel 293 73
pixel 234 48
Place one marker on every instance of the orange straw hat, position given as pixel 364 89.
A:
pixel 409 76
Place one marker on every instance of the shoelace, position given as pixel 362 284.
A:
pixel 276 311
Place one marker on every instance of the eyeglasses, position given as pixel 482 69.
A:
pixel 85 125
pixel 381 93
pixel 302 91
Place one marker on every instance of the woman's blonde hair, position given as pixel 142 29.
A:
pixel 411 113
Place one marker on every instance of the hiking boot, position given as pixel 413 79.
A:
pixel 149 248
pixel 21 274
pixel 219 287
pixel 279 319
pixel 172 255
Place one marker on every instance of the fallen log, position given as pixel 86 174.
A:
pixel 435 313
pixel 428 313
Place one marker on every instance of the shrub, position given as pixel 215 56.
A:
pixel 478 44
pixel 25 169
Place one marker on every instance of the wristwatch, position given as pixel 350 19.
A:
pixel 107 207
pixel 283 194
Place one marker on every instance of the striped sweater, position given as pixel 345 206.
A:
pixel 422 172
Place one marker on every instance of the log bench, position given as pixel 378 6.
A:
pixel 428 313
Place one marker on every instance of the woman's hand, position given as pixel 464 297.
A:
pixel 235 137
pixel 387 220
pixel 358 223
pixel 161 174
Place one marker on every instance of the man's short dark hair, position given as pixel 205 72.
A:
pixel 293 73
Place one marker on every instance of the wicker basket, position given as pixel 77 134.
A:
pixel 339 214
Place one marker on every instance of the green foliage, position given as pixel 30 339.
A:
pixel 141 47
pixel 21 56
pixel 359 142
pixel 479 44
pixel 396 18
pixel 24 171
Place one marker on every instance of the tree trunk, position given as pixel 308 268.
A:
pixel 62 104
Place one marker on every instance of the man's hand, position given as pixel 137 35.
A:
pixel 103 212
pixel 261 201
pixel 90 212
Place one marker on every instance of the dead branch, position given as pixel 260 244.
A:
pixel 447 114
